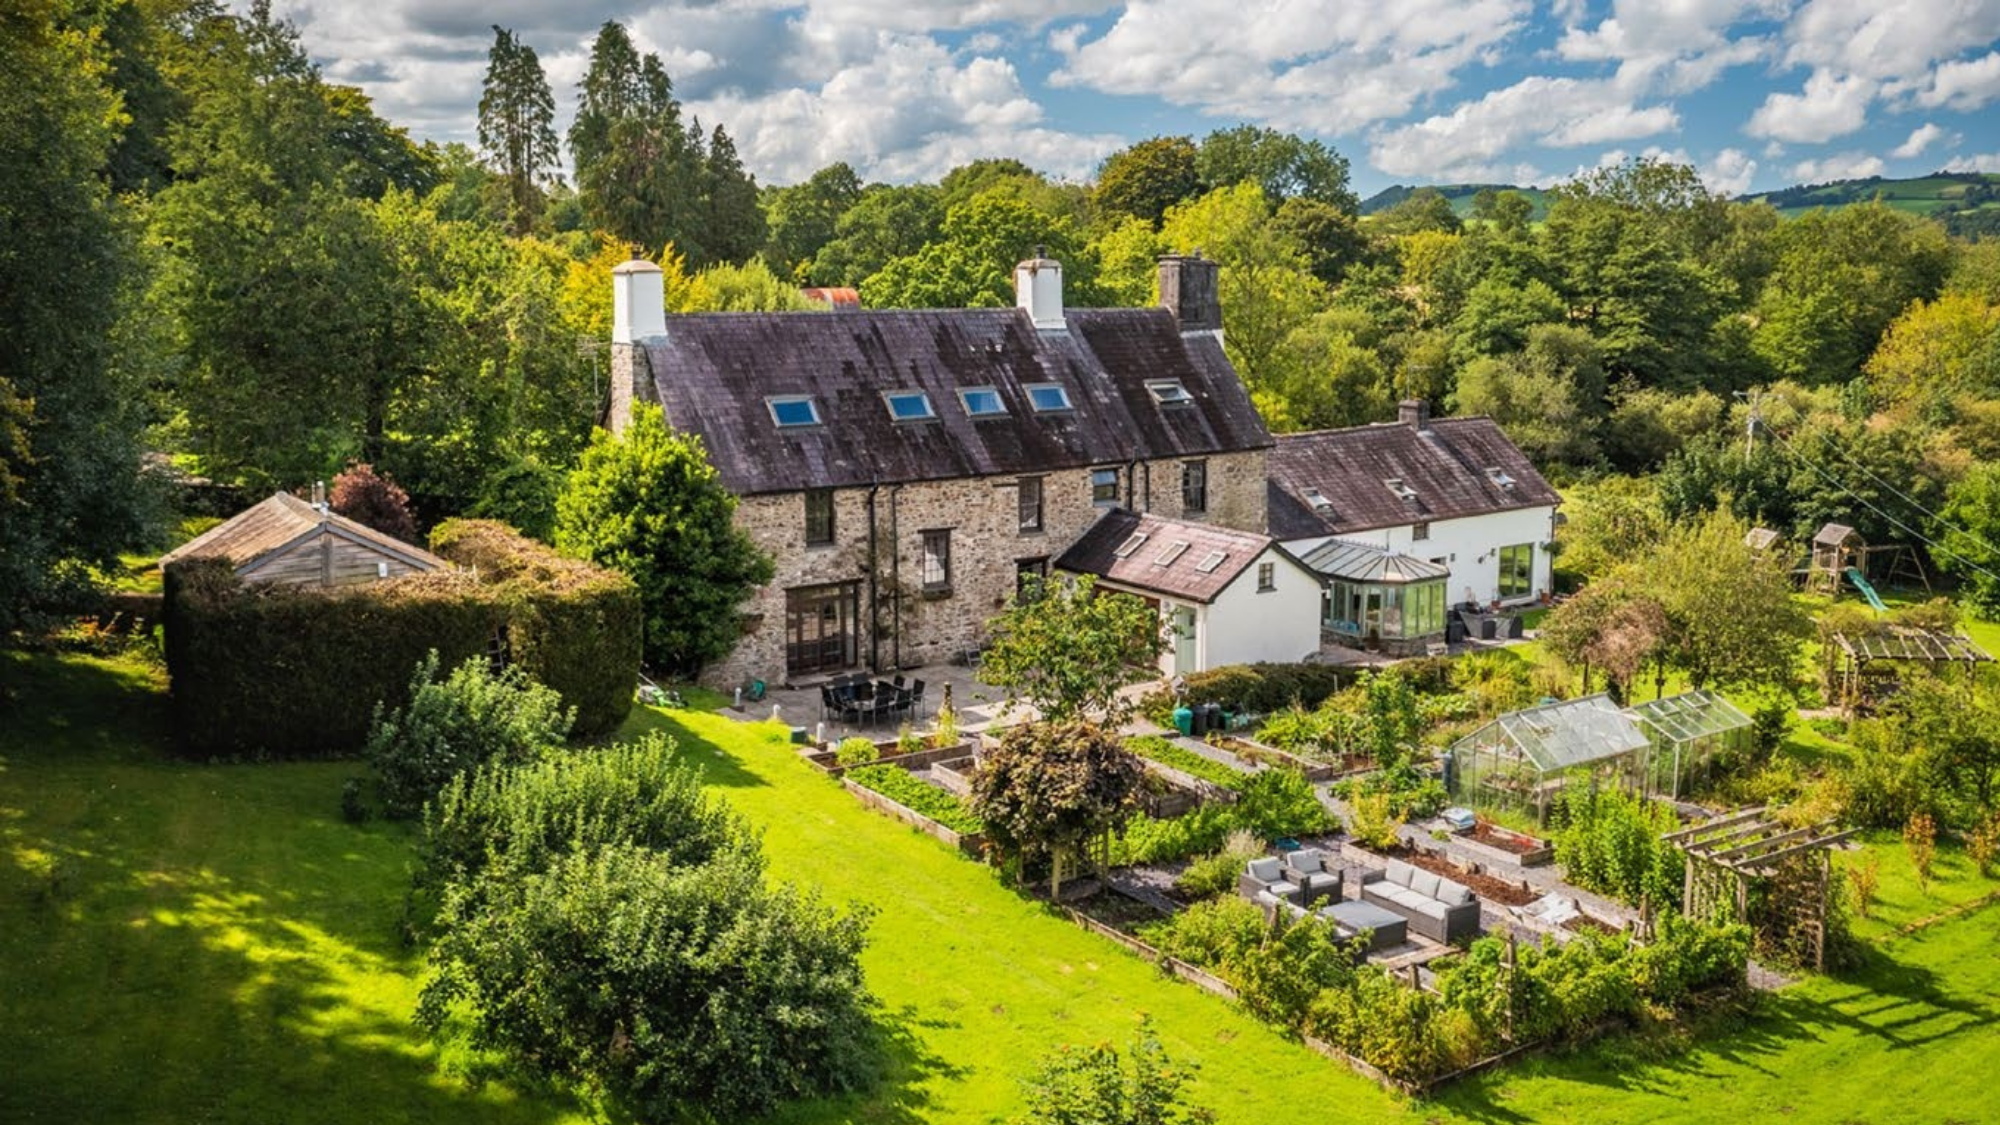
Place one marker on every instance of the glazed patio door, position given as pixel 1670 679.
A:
pixel 822 628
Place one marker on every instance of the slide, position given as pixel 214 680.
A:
pixel 1855 576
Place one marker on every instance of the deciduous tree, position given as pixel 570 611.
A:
pixel 1051 789
pixel 1067 648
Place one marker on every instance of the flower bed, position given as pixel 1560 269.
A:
pixel 902 795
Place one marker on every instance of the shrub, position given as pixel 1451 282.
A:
pixel 1216 873
pixel 1256 688
pixel 352 808
pixel 1768 724
pixel 907 741
pixel 1281 802
pixel 911 792
pixel 522 816
pixel 1982 845
pixel 1211 933
pixel 683 992
pixel 1147 840
pixel 945 736
pixel 468 718
pixel 295 671
pixel 1049 790
pixel 1372 822
pixel 1920 841
pixel 1609 841
pixel 1865 878
pixel 856 751
pixel 1186 761
pixel 373 500
pixel 1099 1085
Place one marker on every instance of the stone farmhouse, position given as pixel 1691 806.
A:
pixel 907 468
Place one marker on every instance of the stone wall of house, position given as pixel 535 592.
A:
pixel 911 626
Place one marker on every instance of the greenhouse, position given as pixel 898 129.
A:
pixel 1378 597
pixel 1519 762
pixel 1684 734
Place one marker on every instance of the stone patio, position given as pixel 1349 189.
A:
pixel 978 706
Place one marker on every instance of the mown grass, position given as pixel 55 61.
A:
pixel 195 942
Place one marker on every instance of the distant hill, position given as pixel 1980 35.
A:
pixel 1459 195
pixel 1967 203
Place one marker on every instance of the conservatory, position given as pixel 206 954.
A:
pixel 1379 598
pixel 1517 763
pixel 1684 734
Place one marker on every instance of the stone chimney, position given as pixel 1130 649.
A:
pixel 1414 413
pixel 638 302
pixel 1038 289
pixel 638 317
pixel 1190 289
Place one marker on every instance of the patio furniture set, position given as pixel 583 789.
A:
pixel 1391 903
pixel 859 699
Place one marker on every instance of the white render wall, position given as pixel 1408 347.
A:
pixel 1470 547
pixel 1243 626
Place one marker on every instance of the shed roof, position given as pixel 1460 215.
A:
pixel 1759 538
pixel 1556 736
pixel 1171 558
pixel 281 521
pixel 1365 562
pixel 1689 715
pixel 1334 482
pixel 715 372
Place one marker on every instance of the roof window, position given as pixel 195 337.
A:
pixel 1318 501
pixel 1048 398
pixel 1132 543
pixel 1210 563
pixel 909 406
pixel 1169 392
pixel 1403 491
pixel 981 402
pixel 790 411
pixel 1500 477
pixel 1174 550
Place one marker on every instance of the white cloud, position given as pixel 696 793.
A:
pixel 1921 139
pixel 1729 173
pixel 1841 166
pixel 1964 86
pixel 1830 106
pixel 1891 41
pixel 1679 47
pixel 1292 64
pixel 1558 112
pixel 1980 162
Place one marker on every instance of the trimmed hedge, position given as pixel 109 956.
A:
pixel 296 671
pixel 1256 688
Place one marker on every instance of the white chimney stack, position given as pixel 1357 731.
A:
pixel 638 302
pixel 1038 289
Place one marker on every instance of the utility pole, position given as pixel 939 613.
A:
pixel 1756 419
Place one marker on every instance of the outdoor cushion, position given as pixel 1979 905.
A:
pixel 1305 861
pixel 1265 870
pixel 1429 908
pixel 1453 894
pixel 1398 872
pixel 1404 896
pixel 1424 883
pixel 1284 890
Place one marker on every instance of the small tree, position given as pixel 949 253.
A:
pixel 374 500
pixel 1920 841
pixel 1067 648
pixel 1101 1085
pixel 1865 877
pixel 470 718
pixel 1049 789
pixel 649 504
pixel 1611 625
pixel 1731 614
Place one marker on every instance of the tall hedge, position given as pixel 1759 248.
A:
pixel 296 671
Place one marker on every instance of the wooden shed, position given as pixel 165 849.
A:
pixel 287 540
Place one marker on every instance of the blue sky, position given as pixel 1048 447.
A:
pixel 1756 94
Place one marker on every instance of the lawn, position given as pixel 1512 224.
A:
pixel 211 942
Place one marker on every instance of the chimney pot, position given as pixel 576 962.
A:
pixel 1190 289
pixel 1415 413
pixel 638 302
pixel 1038 291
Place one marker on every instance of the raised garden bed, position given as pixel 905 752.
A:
pixel 824 760
pixel 1494 844
pixel 1255 753
pixel 957 834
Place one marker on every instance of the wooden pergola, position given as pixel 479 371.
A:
pixel 1728 856
pixel 1854 652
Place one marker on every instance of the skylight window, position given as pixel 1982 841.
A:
pixel 1500 477
pixel 1174 550
pixel 790 411
pixel 1404 491
pixel 909 406
pixel 1169 392
pixel 981 402
pixel 1210 563
pixel 1048 398
pixel 1318 501
pixel 1132 543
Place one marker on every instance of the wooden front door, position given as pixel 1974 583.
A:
pixel 822 628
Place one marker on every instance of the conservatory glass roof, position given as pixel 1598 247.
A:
pixel 1364 562
pixel 1690 715
pixel 1556 736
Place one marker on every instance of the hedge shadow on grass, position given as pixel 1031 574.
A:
pixel 718 766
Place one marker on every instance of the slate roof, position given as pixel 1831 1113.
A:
pixel 714 371
pixel 1365 562
pixel 1446 466
pixel 281 520
pixel 1186 547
